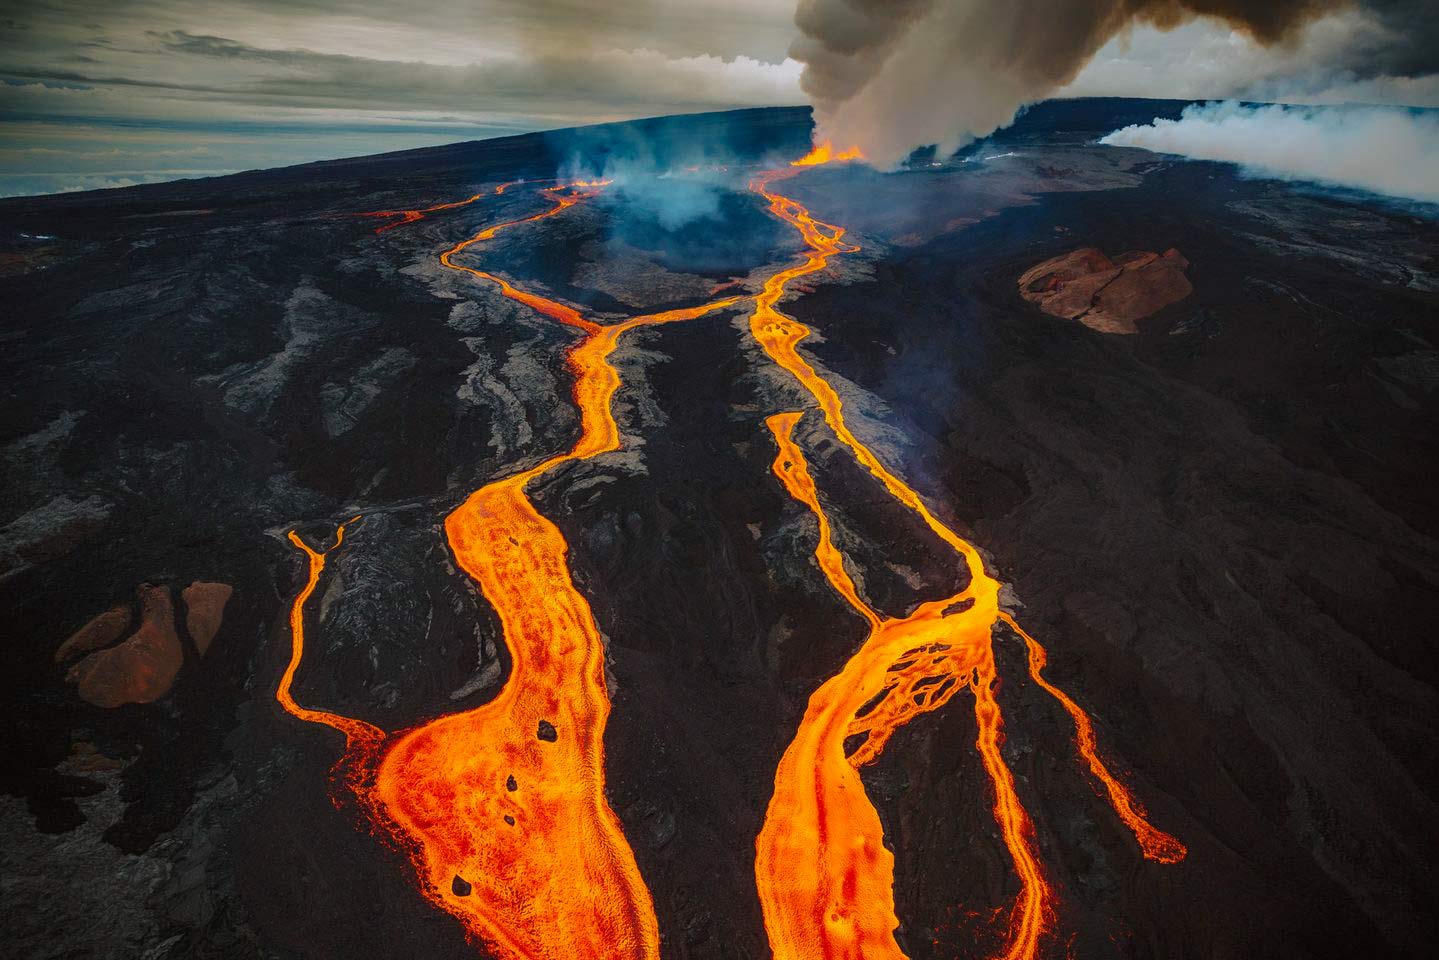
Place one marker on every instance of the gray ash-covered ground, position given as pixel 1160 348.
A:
pixel 1222 527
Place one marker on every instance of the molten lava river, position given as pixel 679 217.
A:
pixel 502 808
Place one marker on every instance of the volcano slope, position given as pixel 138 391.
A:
pixel 1219 528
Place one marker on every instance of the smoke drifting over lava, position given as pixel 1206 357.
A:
pixel 894 75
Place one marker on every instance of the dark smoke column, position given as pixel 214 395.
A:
pixel 893 75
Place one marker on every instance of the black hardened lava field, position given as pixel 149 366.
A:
pixel 625 535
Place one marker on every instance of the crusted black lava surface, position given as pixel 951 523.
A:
pixel 1223 527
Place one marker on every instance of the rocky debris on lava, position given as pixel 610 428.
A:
pixel 460 886
pixel 143 668
pixel 1103 294
pixel 547 732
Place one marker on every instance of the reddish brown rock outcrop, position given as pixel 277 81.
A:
pixel 99 632
pixel 1103 294
pixel 85 757
pixel 144 667
pixel 205 610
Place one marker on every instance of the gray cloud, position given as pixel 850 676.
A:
pixel 546 65
pixel 1407 46
pixel 364 76
pixel 1203 61
pixel 587 85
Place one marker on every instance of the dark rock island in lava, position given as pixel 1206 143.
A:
pixel 620 543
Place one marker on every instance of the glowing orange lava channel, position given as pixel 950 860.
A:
pixel 824 875
pixel 359 736
pixel 503 807
pixel 402 217
pixel 522 818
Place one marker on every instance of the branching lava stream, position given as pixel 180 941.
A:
pixel 824 875
pixel 398 218
pixel 360 737
pixel 502 807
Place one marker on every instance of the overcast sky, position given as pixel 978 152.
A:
pixel 109 92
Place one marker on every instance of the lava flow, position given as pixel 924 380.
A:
pixel 402 217
pixel 503 807
pixel 509 797
pixel 824 875
pixel 361 738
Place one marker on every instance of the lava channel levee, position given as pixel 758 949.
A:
pixel 502 808
pixel 824 875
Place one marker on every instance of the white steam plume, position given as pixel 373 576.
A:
pixel 1386 150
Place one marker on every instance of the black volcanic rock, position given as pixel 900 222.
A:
pixel 1222 527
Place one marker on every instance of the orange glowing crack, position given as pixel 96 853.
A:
pixel 503 807
pixel 402 217
pixel 824 875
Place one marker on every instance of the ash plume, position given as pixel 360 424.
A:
pixel 894 75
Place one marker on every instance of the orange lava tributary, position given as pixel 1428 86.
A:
pixel 825 877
